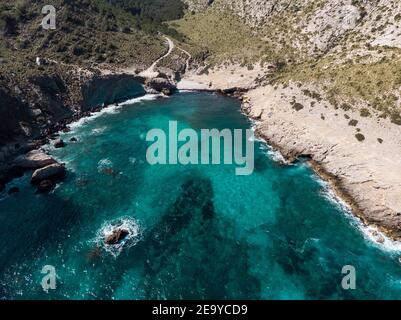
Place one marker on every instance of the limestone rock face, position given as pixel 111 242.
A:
pixel 50 84
pixel 197 5
pixel 315 26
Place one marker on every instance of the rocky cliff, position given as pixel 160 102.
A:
pixel 314 26
pixel 51 77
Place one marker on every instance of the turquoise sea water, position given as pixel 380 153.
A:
pixel 197 231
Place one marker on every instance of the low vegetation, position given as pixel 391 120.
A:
pixel 376 83
pixel 224 37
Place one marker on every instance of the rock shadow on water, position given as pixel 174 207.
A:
pixel 190 253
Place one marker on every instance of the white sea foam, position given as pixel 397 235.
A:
pixel 275 155
pixel 100 130
pixel 370 233
pixel 85 120
pixel 128 224
pixel 112 109
pixel 104 164
pixel 147 97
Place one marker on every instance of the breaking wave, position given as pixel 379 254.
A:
pixel 370 233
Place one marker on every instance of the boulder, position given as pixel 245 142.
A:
pixel 116 237
pixel 59 143
pixel 73 139
pixel 52 172
pixel 151 91
pixel 45 186
pixel 33 160
pixel 167 92
pixel 160 84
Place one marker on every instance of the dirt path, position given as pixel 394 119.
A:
pixel 150 72
pixel 189 58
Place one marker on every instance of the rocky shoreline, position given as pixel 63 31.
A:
pixel 360 172
pixel 24 154
pixel 273 123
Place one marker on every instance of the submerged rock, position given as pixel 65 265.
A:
pixel 116 237
pixel 45 186
pixel 13 190
pixel 33 160
pixel 59 143
pixel 94 254
pixel 52 172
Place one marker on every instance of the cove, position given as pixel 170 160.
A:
pixel 199 232
pixel 210 142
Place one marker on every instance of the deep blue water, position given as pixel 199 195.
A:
pixel 198 231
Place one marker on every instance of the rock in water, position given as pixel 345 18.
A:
pixel 33 160
pixel 117 236
pixel 73 139
pixel 161 84
pixel 167 92
pixel 52 172
pixel 59 143
pixel 45 186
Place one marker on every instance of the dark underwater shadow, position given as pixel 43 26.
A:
pixel 189 254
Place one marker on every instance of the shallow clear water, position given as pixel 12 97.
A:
pixel 199 231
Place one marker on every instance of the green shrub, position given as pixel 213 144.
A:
pixel 297 106
pixel 365 112
pixel 360 137
pixel 396 118
pixel 353 123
